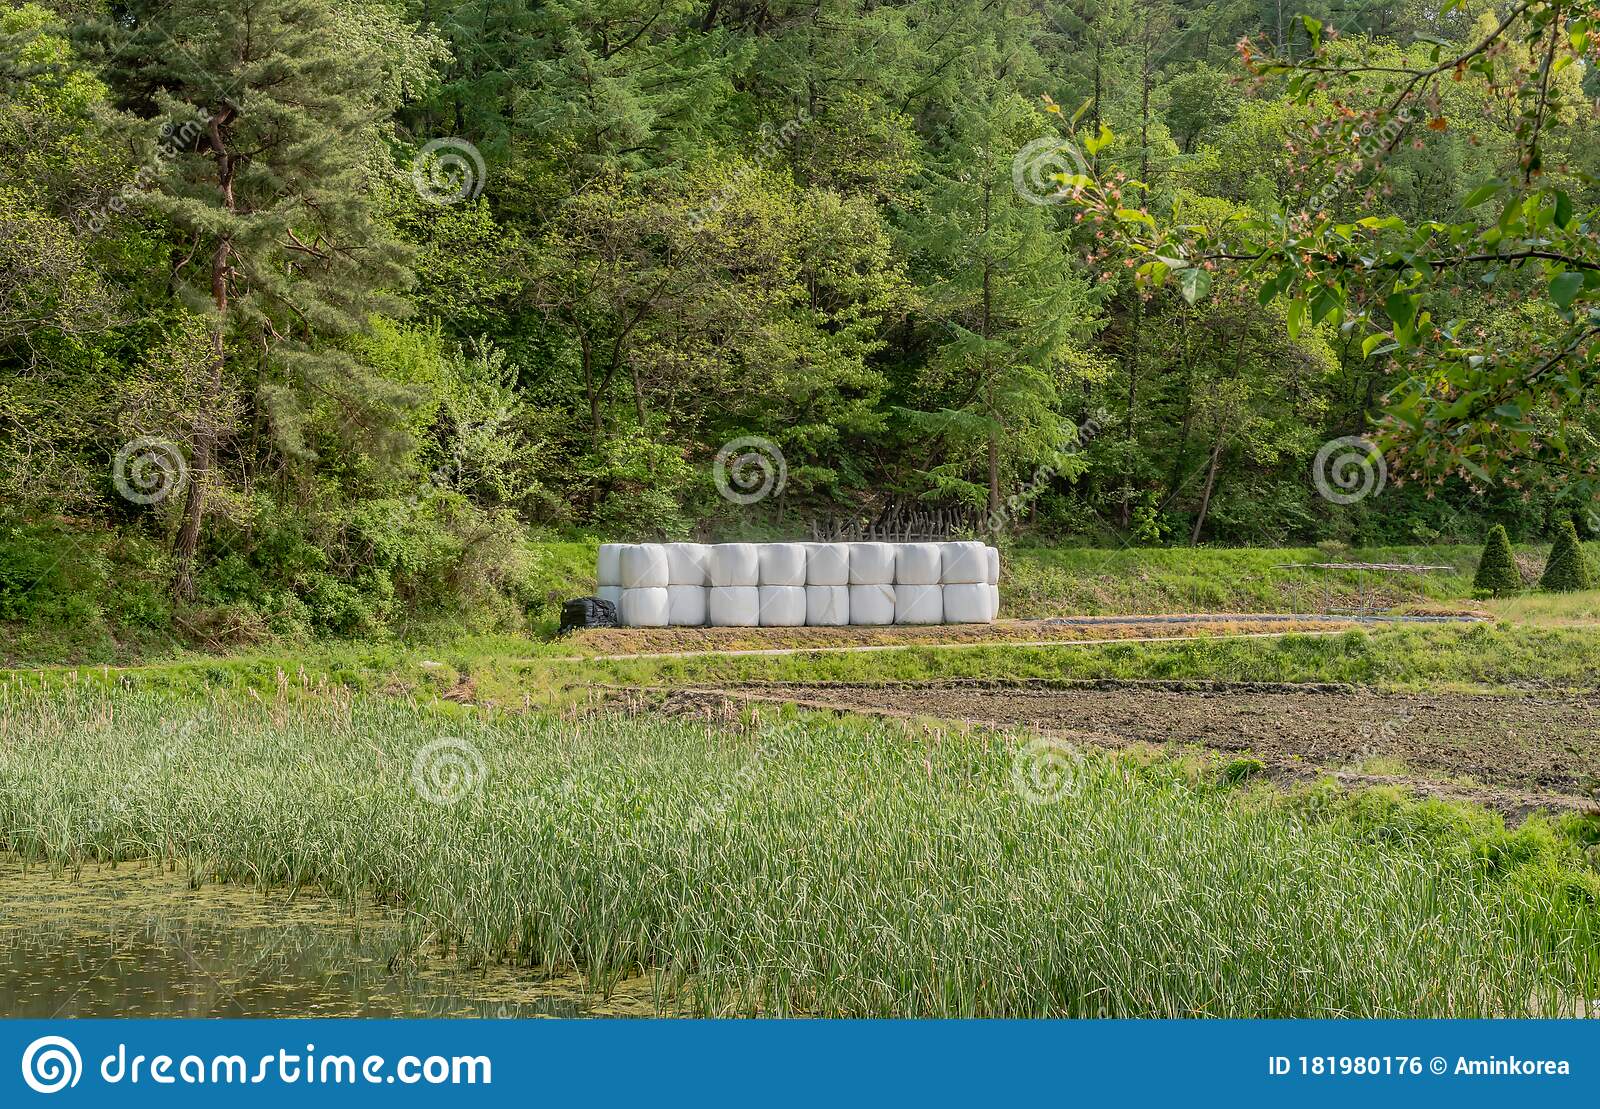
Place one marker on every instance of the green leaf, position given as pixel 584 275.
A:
pixel 1297 316
pixel 1402 309
pixel 1565 286
pixel 1194 283
pixel 1483 192
pixel 1563 209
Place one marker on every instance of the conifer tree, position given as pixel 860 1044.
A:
pixel 1568 570
pixel 1011 321
pixel 270 111
pixel 1497 568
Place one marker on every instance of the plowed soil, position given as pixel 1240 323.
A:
pixel 1513 752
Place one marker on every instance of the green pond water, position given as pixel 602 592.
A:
pixel 137 941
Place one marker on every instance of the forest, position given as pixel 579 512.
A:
pixel 317 316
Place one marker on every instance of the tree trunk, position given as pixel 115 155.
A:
pixel 1211 484
pixel 994 478
pixel 203 447
pixel 207 431
pixel 586 350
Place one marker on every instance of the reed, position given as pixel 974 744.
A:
pixel 798 864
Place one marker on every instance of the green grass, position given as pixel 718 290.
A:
pixel 1476 657
pixel 75 595
pixel 812 865
pixel 516 673
pixel 1043 581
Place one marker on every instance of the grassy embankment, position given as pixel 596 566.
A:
pixel 515 673
pixel 821 866
pixel 1540 641
pixel 83 596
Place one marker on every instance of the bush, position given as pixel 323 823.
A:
pixel 1497 569
pixel 1568 569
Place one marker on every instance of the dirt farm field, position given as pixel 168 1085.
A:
pixel 1514 753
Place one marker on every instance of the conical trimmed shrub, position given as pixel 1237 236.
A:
pixel 1497 569
pixel 1568 569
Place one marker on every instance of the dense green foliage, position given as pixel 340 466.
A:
pixel 821 866
pixel 1497 568
pixel 316 308
pixel 1568 570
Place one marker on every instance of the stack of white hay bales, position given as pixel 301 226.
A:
pixel 782 585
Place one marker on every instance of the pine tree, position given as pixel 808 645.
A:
pixel 1011 319
pixel 1497 568
pixel 1568 570
pixel 272 109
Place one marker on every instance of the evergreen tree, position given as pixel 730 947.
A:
pixel 1497 568
pixel 1568 570
pixel 1010 320
pixel 273 109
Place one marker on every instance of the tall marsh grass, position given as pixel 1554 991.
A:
pixel 796 865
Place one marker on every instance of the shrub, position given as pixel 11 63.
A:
pixel 1497 569
pixel 1568 568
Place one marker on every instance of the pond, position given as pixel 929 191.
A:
pixel 135 940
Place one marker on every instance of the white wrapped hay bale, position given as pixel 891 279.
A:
pixel 782 563
pixel 993 575
pixel 733 606
pixel 871 605
pixel 871 564
pixel 783 606
pixel 828 564
pixel 967 603
pixel 918 604
pixel 612 593
pixel 827 606
pixel 917 564
pixel 608 567
pixel 686 563
pixel 964 563
pixel 994 602
pixel 644 566
pixel 733 564
pixel 644 608
pixel 686 605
